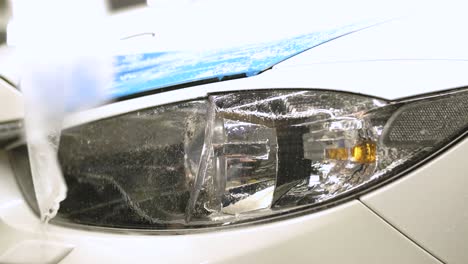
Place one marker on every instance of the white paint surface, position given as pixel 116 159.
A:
pixel 11 103
pixel 430 205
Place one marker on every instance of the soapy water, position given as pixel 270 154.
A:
pixel 64 66
pixel 49 92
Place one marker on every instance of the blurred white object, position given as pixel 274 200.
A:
pixel 167 3
pixel 63 67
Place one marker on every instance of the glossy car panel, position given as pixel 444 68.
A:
pixel 430 205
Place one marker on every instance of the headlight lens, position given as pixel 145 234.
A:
pixel 244 156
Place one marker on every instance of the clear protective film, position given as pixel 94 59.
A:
pixel 245 156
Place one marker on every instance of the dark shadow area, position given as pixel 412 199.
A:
pixel 2 37
pixel 118 5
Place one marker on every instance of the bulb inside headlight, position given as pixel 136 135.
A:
pixel 244 156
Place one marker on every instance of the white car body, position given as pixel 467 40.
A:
pixel 420 218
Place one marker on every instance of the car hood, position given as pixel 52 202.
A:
pixel 137 74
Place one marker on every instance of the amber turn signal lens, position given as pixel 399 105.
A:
pixel 365 152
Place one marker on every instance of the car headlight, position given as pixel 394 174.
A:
pixel 245 156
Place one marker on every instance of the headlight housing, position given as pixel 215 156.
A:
pixel 244 156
